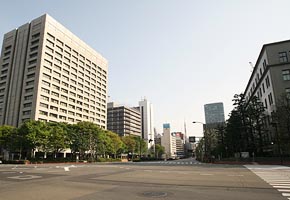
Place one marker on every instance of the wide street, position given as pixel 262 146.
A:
pixel 180 179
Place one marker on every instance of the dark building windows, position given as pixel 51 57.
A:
pixel 283 57
pixel 286 75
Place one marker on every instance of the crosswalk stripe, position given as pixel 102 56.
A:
pixel 283 190
pixel 276 176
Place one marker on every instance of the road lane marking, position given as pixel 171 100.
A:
pixel 25 177
pixel 239 175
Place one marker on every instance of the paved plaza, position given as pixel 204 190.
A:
pixel 158 180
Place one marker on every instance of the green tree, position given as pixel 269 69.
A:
pixel 140 146
pixel 35 133
pixel 103 142
pixel 255 115
pixel 159 150
pixel 58 137
pixel 281 125
pixel 115 143
pixel 7 138
pixel 84 138
pixel 130 144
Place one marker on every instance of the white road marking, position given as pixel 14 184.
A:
pixel 235 175
pixel 26 177
pixel 286 187
pixel 283 190
pixel 276 176
pixel 206 174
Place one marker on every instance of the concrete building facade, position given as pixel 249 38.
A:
pixel 124 120
pixel 270 78
pixel 47 73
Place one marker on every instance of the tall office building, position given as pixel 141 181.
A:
pixel 47 73
pixel 168 141
pixel 180 143
pixel 124 120
pixel 147 127
pixel 214 113
pixel 270 79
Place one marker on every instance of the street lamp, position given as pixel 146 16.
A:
pixel 205 138
pixel 275 124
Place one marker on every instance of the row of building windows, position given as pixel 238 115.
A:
pixel 72 55
pixel 285 77
pixel 68 69
pixel 66 118
pixel 73 87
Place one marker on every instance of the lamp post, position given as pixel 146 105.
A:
pixel 275 124
pixel 205 139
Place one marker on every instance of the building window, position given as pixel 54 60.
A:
pixel 53 115
pixel 267 82
pixel 266 104
pixel 283 57
pixel 45 90
pixel 27 112
pixel 263 85
pixel 27 105
pixel 287 90
pixel 44 98
pixel 29 97
pixel 270 97
pixel 43 105
pixel 286 75
pixel 43 113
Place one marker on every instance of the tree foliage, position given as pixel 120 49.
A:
pixel 85 139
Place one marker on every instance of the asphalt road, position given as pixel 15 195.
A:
pixel 130 181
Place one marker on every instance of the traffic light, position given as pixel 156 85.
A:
pixel 192 139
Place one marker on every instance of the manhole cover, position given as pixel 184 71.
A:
pixel 155 194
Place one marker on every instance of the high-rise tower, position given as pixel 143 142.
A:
pixel 147 127
pixel 47 73
pixel 214 113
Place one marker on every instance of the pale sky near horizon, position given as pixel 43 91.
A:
pixel 179 54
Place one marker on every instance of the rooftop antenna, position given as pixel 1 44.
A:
pixel 251 64
pixel 185 134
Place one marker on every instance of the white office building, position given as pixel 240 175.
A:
pixel 147 126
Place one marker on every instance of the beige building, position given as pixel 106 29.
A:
pixel 168 141
pixel 47 73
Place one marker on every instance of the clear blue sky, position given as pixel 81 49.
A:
pixel 180 54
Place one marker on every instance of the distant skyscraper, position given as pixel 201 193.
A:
pixel 147 127
pixel 214 113
pixel 47 73
pixel 168 141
